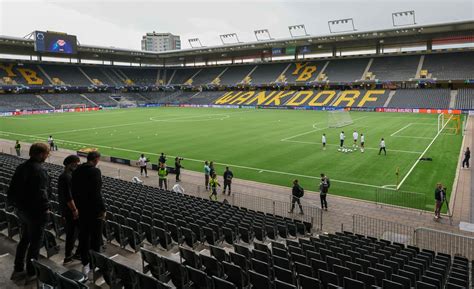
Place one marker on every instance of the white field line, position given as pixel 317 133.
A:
pixel 422 154
pixel 315 130
pixel 149 121
pixel 200 161
pixel 409 136
pixel 369 148
pixel 401 129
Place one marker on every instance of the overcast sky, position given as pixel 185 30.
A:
pixel 122 23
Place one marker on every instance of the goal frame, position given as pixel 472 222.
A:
pixel 333 122
pixel 74 106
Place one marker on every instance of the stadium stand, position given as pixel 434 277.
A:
pixel 13 102
pixel 182 76
pixel 346 70
pixel 97 76
pixel 421 98
pixel 22 73
pixel 465 98
pixel 235 74
pixel 207 75
pixel 103 99
pixel 67 74
pixel 267 73
pixel 205 97
pixel 394 68
pixel 140 76
pixel 302 72
pixel 139 214
pixel 59 99
pixel 450 66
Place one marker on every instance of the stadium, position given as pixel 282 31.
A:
pixel 385 114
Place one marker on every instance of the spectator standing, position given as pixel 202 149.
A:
pixel 18 148
pixel 211 167
pixel 323 191
pixel 177 168
pixel 68 208
pixel 207 173
pixel 51 143
pixel 162 159
pixel 28 193
pixel 142 162
pixel 467 156
pixel 439 199
pixel 163 176
pixel 87 195
pixel 297 193
pixel 228 176
pixel 213 183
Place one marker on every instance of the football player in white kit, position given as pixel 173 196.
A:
pixel 323 141
pixel 362 142
pixel 355 136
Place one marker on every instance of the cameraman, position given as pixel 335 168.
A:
pixel 177 167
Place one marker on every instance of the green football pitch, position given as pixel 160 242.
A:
pixel 270 146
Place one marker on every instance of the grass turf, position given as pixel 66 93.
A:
pixel 271 146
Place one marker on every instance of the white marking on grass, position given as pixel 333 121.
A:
pixel 369 148
pixel 315 129
pixel 417 137
pixel 422 154
pixel 401 129
pixel 201 161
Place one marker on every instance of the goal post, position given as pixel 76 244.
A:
pixel 339 118
pixel 73 106
pixel 449 123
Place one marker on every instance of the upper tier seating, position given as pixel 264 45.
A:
pixel 12 102
pixel 395 68
pixel 235 74
pixel 421 98
pixel 267 73
pixel 346 70
pixel 450 66
pixel 141 76
pixel 465 98
pixel 69 74
pixel 207 75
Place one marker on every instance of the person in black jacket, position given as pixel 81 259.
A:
pixel 228 176
pixel 440 196
pixel 28 193
pixel 467 156
pixel 87 195
pixel 177 168
pixel 68 208
pixel 297 194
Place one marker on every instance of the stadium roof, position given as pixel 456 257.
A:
pixel 445 33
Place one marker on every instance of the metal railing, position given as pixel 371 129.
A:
pixel 424 238
pixel 397 198
pixel 382 229
pixel 312 214
pixel 445 242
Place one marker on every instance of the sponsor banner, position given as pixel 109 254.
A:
pixel 420 110
pixel 290 50
pixel 471 112
pixel 304 50
pixel 362 109
pixel 277 51
pixel 273 107
pixel 120 161
pixel 248 106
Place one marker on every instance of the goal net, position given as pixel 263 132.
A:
pixel 339 118
pixel 449 123
pixel 73 106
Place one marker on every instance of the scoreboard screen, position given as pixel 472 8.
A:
pixel 54 42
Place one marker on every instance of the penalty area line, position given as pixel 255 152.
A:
pixel 260 170
pixel 422 154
